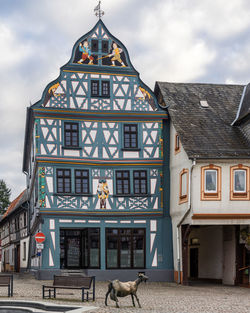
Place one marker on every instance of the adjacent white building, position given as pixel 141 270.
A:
pixel 209 180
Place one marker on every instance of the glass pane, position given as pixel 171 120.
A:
pixel 125 252
pixel 73 252
pixel 184 184
pixel 240 181
pixel 211 181
pixel 112 252
pixel 138 252
pixel 94 251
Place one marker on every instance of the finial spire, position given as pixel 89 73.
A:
pixel 98 12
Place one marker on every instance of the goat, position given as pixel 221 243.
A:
pixel 117 288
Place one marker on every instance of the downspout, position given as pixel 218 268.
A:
pixel 28 228
pixel 182 219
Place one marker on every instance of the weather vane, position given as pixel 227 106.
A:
pixel 98 12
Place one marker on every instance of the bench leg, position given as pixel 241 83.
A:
pixel 43 293
pixel 54 292
pixel 82 294
pixel 8 290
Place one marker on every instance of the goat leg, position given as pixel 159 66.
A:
pixel 137 300
pixel 132 296
pixel 108 292
pixel 116 299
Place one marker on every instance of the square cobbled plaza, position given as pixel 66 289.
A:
pixel 154 297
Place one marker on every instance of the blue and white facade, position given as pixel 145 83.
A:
pixel 96 159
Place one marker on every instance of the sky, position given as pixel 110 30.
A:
pixel 199 41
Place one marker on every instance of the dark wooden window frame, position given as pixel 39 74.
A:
pixel 122 179
pixel 71 132
pixel 105 49
pixel 63 177
pixel 129 133
pixel 81 181
pixel 140 180
pixel 97 88
pixel 132 236
pixel 64 244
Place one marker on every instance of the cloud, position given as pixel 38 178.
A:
pixel 184 41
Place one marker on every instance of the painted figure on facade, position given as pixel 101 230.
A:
pixel 51 93
pixel 86 53
pixel 103 192
pixel 147 97
pixel 116 55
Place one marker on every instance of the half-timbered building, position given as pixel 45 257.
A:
pixel 96 160
pixel 14 230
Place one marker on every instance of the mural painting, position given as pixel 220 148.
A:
pixel 86 53
pixel 52 93
pixel 103 192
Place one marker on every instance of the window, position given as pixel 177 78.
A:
pixel 94 45
pixel 94 88
pixel 63 180
pixel 105 88
pixel 140 182
pixel 24 251
pixel 211 182
pixel 71 135
pixel 239 181
pixel 122 182
pixel 25 219
pixel 105 46
pixel 80 248
pixel 183 196
pixel 130 136
pixel 177 144
pixel 104 91
pixel 125 248
pixel 82 181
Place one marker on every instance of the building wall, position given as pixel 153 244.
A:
pixel 225 205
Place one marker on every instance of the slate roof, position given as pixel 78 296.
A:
pixel 23 197
pixel 205 132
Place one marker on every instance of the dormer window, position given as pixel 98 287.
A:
pixel 177 144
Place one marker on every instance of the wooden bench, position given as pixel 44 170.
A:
pixel 7 281
pixel 71 282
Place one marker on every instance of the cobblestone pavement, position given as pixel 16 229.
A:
pixel 154 297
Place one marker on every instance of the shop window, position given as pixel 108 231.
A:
pixel 183 195
pixel 122 183
pixel 239 182
pixel 80 248
pixel 125 248
pixel 71 135
pixel 130 133
pixel 63 180
pixel 82 181
pixel 211 182
pixel 140 182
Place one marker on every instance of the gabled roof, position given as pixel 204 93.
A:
pixel 205 132
pixel 23 197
